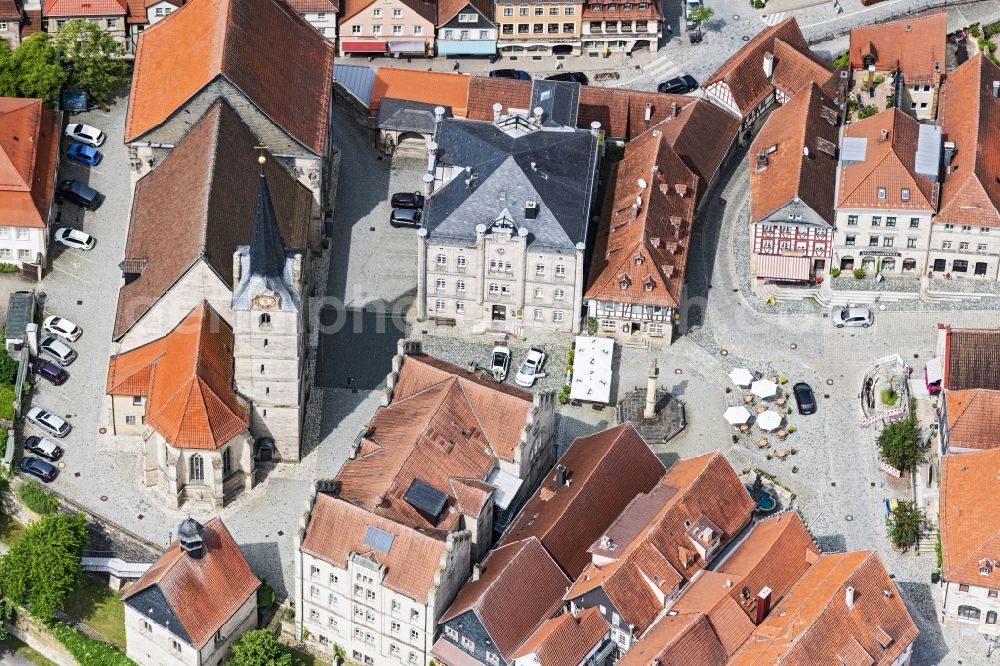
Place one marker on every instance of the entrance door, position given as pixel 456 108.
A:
pixel 499 312
pixel 847 263
pixel 980 268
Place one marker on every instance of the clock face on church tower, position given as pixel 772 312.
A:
pixel 265 301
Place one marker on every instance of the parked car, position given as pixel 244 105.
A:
pixel 501 363
pixel 678 85
pixel 50 371
pixel 43 447
pixel 75 238
pixel 62 327
pixel 48 422
pixel 76 192
pixel 405 217
pixel 407 200
pixel 84 154
pixel 573 77
pixel 804 398
pixel 35 467
pixel 510 74
pixel 853 316
pixel 57 349
pixel 85 134
pixel 531 368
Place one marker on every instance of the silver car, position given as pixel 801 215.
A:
pixel 48 422
pixel 57 350
pixel 853 316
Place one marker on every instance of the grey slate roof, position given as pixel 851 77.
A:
pixel 20 313
pixel 503 178
pixel 358 80
pixel 152 604
pixel 407 116
pixel 558 100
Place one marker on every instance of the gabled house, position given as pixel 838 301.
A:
pixel 539 27
pixel 29 166
pixel 396 28
pixel 793 169
pixel 965 232
pixel 887 191
pixel 371 585
pixel 769 69
pixel 678 640
pixel 571 639
pixel 970 358
pixel 900 61
pixel 625 27
pixel 266 61
pixel 970 420
pixel 966 367
pixel 642 562
pixel 515 589
pixel 11 17
pixel 108 15
pixel 637 272
pixel 322 14
pixel 194 602
pixel 466 28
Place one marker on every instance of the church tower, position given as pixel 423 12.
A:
pixel 269 329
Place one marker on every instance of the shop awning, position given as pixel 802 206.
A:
pixel 777 267
pixel 592 372
pixel 363 47
pixel 406 47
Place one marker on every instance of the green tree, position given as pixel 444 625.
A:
pixel 8 73
pixel 260 648
pixel 867 111
pixel 36 68
pixel 905 524
pixel 899 444
pixel 93 59
pixel 44 566
pixel 701 15
pixel 842 61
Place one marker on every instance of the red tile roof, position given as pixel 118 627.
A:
pixel 702 492
pixel 970 530
pixel 520 586
pixel 889 163
pixel 807 122
pixel 973 419
pixel 58 8
pixel 972 358
pixel 743 72
pixel 911 45
pixel 203 593
pixel 681 640
pixel 424 8
pixel 484 92
pixel 29 151
pixel 813 624
pixel 447 9
pixel 797 68
pixel 189 382
pixel 264 48
pixel 314 6
pixel 605 471
pixel 970 116
pixel 445 88
pixel 645 248
pixel 337 529
pixel 566 639
pixel 10 10
pixel 443 424
pixel 32 23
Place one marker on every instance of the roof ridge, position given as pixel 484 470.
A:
pixel 475 415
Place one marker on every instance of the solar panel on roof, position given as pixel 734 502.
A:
pixel 378 539
pixel 426 499
pixel 853 149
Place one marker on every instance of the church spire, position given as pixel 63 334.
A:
pixel 267 251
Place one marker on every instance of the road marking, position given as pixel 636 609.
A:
pixel 77 277
pixel 773 19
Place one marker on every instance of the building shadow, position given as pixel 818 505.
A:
pixel 265 557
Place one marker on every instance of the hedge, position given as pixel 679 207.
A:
pixel 37 498
pixel 86 650
pixel 6 402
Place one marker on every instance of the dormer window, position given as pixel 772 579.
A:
pixel 904 194
pixel 638 260
pixel 648 286
pixel 985 567
pixel 881 193
pixel 624 282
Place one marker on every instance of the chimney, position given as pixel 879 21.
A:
pixel 884 136
pixel 497 108
pixel 768 65
pixel 477 570
pixel 531 210
pixel 472 366
pixel 560 479
pixel 438 114
pixel 428 184
pixel 237 269
pixel 595 127
pixel 996 88
pixel 763 605
pixel 297 268
pixel 649 111
pixel 805 152
pixel 849 597
pixel 432 148
pixel 607 543
pixel 538 114
pixel 950 149
pixel 674 109
pixel 191 535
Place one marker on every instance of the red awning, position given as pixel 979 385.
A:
pixel 777 267
pixel 363 47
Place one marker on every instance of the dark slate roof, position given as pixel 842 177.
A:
pixel 558 100
pixel 406 116
pixel 150 603
pixel 20 312
pixel 500 167
pixel 267 250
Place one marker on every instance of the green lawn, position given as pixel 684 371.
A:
pixel 11 531
pixel 99 607
pixel 21 648
pixel 307 659
pixel 6 402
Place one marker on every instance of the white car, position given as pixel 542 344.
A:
pixel 530 369
pixel 48 422
pixel 85 134
pixel 64 328
pixel 501 363
pixel 61 352
pixel 74 238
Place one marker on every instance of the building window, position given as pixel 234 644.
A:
pixel 494 288
pixel 960 266
pixel 146 626
pixel 557 315
pixel 468 644
pixel 962 587
pixel 887 241
pixel 852 220
pixel 112 23
pixel 992 594
pixel 537 28
pixel 397 30
pixel 332 600
pixel 966 227
pixel 264 320
pixel 553 28
pixel 314 615
pixel 911 243
pixel 440 284
pixel 175 645
pixel 569 27
pixel 4 232
pixel 442 260
pixel 539 11
pixel 505 290
pixel 460 261
pixel 451 633
pixel 873 241
pixel 466 18
pixel 890 221
pixel 963 246
pixel 484 34
pixel 537 314
pixel 197 468
pixel 130 420
pixel 395 626
pixel 539 269
pixel 397 13
pixel 313 591
pixel 568 11
pixel 227 462
pixel 914 222
pixel 984 230
pixel 355 29
pixel 414 635
pixel 949 226
pixel 376 13
pixel 439 306
pixel 412 658
pixel 508 11
pixel 553 11
pixel 460 285
pixel 460 307
pixel 981 247
pixel 904 194
pixel 394 649
pixel 560 294
pixel 523 11
pixel 334 579
pixel 969 613
pixel 945 245
pixel 850 240
pixel 991 617
pixel 493 659
pixel 876 220
pixel 539 292
pixel 880 193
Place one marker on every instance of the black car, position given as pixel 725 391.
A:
pixel 573 77
pixel 405 217
pixel 36 467
pixel 407 200
pixel 43 447
pixel 50 371
pixel 76 192
pixel 805 398
pixel 679 85
pixel 510 74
